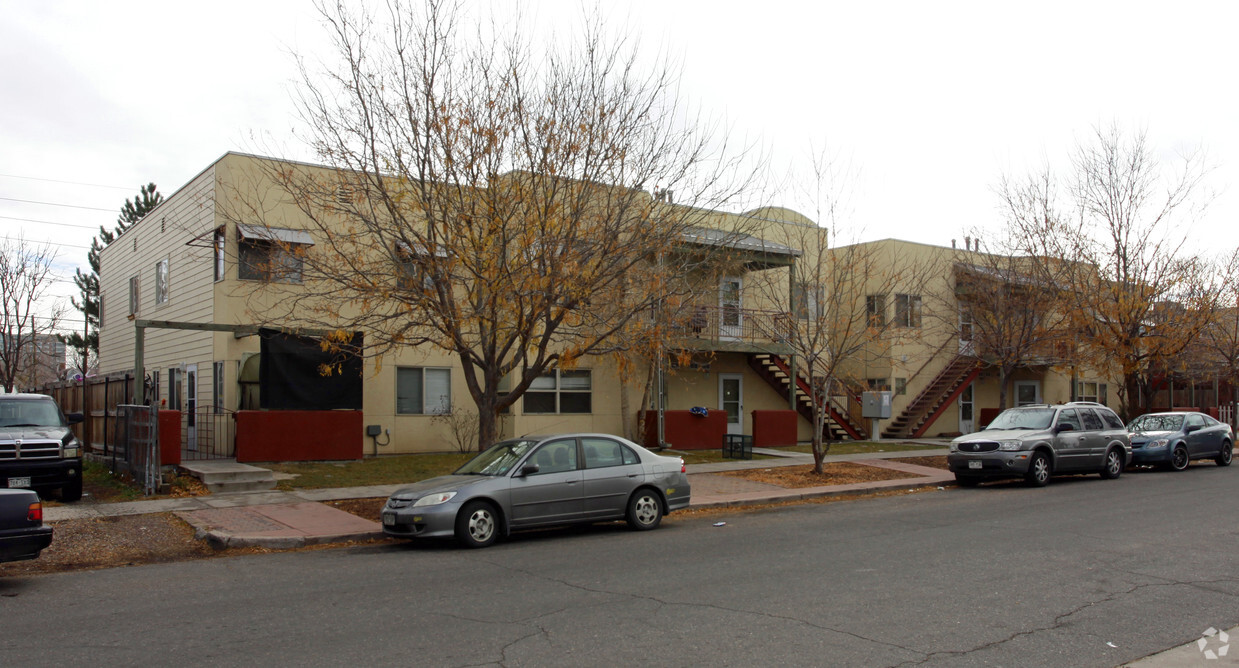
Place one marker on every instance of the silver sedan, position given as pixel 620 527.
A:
pixel 541 481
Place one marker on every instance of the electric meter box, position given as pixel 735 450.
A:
pixel 876 405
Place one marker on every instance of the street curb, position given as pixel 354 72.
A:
pixel 808 496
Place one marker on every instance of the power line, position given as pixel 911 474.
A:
pixel 70 206
pixel 71 183
pixel 48 222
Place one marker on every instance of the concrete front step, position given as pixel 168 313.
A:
pixel 226 476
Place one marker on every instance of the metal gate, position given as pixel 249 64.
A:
pixel 137 445
pixel 208 433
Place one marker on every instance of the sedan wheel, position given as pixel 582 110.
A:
pixel 1114 465
pixel 477 525
pixel 645 511
pixel 1038 470
pixel 1223 457
pixel 1179 459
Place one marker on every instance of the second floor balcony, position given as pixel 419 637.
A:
pixel 729 328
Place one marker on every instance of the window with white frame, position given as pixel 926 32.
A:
pixel 1091 391
pixel 807 300
pixel 174 389
pixel 217 386
pixel 217 244
pixel 560 391
pixel 907 310
pixel 161 281
pixel 135 294
pixel 423 391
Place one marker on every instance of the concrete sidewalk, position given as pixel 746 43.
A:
pixel 281 519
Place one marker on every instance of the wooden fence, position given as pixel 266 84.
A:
pixel 97 402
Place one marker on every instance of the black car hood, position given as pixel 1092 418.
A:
pixel 33 433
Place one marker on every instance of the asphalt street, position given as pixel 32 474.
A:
pixel 1085 572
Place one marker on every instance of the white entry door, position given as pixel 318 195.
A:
pixel 191 406
pixel 731 399
pixel 731 313
pixel 966 423
pixel 1027 392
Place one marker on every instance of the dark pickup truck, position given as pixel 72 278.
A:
pixel 22 533
pixel 37 449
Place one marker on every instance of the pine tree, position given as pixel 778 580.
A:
pixel 88 283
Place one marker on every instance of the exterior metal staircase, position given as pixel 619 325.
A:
pixel 774 370
pixel 922 411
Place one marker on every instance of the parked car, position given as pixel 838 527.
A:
pixel 1173 440
pixel 22 532
pixel 37 449
pixel 541 481
pixel 1035 442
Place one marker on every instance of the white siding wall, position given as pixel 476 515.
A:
pixel 163 234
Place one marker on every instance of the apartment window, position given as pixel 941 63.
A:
pixel 271 254
pixel 875 309
pixel 901 386
pixel 423 391
pixel 413 271
pixel 161 281
pixel 174 389
pixel 907 310
pixel 807 300
pixel 217 386
pixel 217 244
pixel 877 384
pixel 560 391
pixel 135 294
pixel 1091 391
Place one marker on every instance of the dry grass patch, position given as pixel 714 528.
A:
pixel 835 473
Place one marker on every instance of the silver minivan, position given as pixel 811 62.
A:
pixel 1037 441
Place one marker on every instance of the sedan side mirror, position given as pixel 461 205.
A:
pixel 1191 428
pixel 530 469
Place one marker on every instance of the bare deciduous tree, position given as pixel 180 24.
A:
pixel 489 201
pixel 27 315
pixel 1137 296
pixel 835 327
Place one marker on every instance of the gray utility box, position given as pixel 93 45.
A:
pixel 876 405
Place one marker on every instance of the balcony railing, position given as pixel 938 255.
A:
pixel 729 324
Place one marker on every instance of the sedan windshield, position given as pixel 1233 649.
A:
pixel 1023 418
pixel 1156 423
pixel 497 460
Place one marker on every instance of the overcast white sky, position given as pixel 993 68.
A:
pixel 931 101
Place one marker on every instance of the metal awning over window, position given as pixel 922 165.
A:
pixel 275 234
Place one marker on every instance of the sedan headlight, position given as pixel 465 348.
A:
pixel 1159 443
pixel 1010 446
pixel 434 499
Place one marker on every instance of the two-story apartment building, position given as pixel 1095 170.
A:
pixel 198 260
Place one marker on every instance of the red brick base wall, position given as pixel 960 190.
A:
pixel 169 438
pixel 774 428
pixel 299 436
pixel 684 431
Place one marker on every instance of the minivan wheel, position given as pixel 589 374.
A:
pixel 1114 465
pixel 477 524
pixel 1179 459
pixel 1038 470
pixel 1224 457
